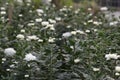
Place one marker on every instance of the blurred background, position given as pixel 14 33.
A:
pixel 82 3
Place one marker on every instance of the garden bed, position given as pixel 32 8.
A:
pixel 43 43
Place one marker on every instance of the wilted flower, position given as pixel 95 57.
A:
pixel 66 35
pixel 117 68
pixel 30 57
pixel 9 51
pixel 20 36
pixel 111 56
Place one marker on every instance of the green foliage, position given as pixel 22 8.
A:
pixel 72 46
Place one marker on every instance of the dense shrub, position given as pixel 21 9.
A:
pixel 65 44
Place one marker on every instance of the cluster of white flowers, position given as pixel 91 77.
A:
pixel 117 68
pixel 95 30
pixel 111 56
pixel 89 9
pixel 66 34
pixel 58 19
pixel 80 32
pixel 96 69
pixel 32 37
pixel 20 25
pixel 30 57
pixel 97 23
pixel 38 20
pixel 103 8
pixel 40 40
pixel 31 24
pixel 117 74
pixel 113 23
pixel 76 60
pixel 8 70
pixel 73 32
pixel 40 11
pixel 10 52
pixel 20 36
pixel 77 31
pixel 52 21
pixel 63 9
pixel 50 26
pixel 51 40
pixel 90 21
pixel 87 31
pixel 12 66
pixel 2 12
pixel 20 15
pixel 44 23
pixel 77 11
pixel 3 60
pixel 69 26
pixel 26 75
pixel 2 8
pixel 22 31
pixel 3 19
